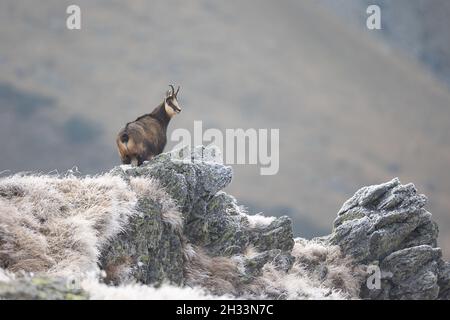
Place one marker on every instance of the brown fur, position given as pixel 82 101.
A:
pixel 146 137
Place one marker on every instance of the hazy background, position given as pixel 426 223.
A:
pixel 354 106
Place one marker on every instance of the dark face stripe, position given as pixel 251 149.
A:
pixel 169 102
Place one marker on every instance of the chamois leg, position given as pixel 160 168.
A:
pixel 134 162
pixel 125 160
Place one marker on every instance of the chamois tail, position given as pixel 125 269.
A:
pixel 126 147
pixel 124 138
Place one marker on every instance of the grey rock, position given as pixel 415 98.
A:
pixel 387 225
pixel 219 233
pixel 212 220
pixel 414 272
pixel 381 219
pixel 150 250
pixel 277 235
pixel 186 180
pixel 41 288
pixel 444 280
pixel 210 153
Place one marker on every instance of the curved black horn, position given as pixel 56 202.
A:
pixel 178 89
pixel 173 89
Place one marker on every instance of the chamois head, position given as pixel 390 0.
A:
pixel 171 102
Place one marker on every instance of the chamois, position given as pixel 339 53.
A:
pixel 146 137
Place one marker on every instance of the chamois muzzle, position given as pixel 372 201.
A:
pixel 176 108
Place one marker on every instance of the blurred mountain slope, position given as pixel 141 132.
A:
pixel 419 28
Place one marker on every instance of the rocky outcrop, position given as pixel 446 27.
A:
pixel 384 225
pixel 186 232
pixel 213 226
pixel 387 225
